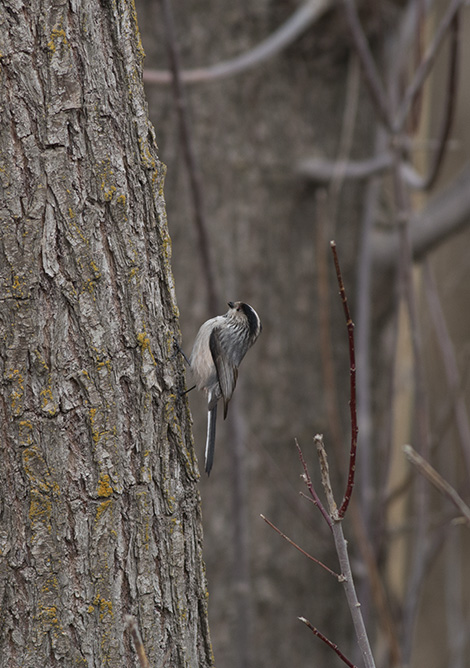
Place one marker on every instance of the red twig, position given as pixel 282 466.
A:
pixel 352 378
pixel 297 547
pixel 328 642
pixel 308 482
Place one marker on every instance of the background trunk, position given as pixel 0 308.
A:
pixel 99 510
pixel 268 237
pixel 249 133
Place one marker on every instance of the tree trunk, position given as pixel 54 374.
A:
pixel 99 509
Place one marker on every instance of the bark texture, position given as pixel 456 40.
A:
pixel 99 510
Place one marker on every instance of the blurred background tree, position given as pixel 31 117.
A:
pixel 356 129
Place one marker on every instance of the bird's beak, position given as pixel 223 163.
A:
pixel 231 304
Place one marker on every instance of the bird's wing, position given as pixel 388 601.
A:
pixel 227 369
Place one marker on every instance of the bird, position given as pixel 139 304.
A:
pixel 220 345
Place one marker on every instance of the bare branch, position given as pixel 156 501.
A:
pixel 333 646
pixel 297 547
pixel 372 78
pixel 437 480
pixel 305 16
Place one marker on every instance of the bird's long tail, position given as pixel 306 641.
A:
pixel 210 440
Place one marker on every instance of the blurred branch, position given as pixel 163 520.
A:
pixel 451 368
pixel 407 37
pixel 322 171
pixel 455 606
pixel 435 478
pixel 367 478
pixel 348 125
pixel 421 420
pixel 364 504
pixel 371 75
pixel 445 214
pixel 426 64
pixel 418 48
pixel 328 642
pixel 449 106
pixel 376 580
pixel 305 16
pixel 190 158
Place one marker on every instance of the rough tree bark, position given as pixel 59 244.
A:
pixel 99 510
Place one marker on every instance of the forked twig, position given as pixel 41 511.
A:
pixel 328 642
pixel 352 388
